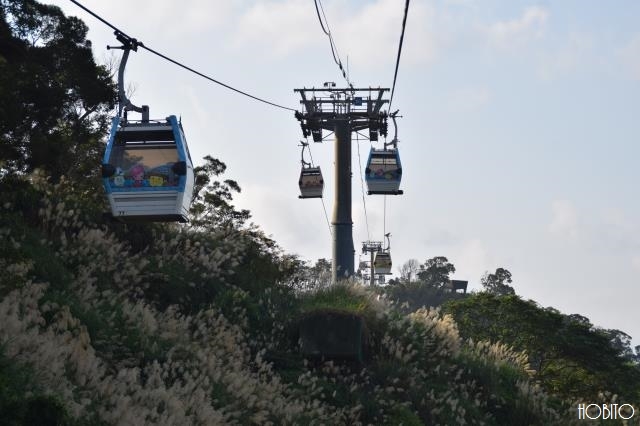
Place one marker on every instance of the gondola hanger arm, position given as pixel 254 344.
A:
pixel 304 145
pixel 125 104
pixel 394 142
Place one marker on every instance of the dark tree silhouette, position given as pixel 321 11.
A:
pixel 55 101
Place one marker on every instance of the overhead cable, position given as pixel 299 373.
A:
pixel 139 43
pixel 364 203
pixel 326 216
pixel 395 74
pixel 334 48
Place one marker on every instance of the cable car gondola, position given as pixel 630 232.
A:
pixel 382 262
pixel 147 170
pixel 384 170
pixel 311 182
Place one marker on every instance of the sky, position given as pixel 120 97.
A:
pixel 519 134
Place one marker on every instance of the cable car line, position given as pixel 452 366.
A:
pixel 319 19
pixel 324 208
pixel 366 217
pixel 395 74
pixel 140 44
pixel 384 217
pixel 334 48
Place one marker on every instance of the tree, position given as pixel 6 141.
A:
pixel 409 270
pixel 320 274
pixel 55 101
pixel 570 356
pixel 211 207
pixel 435 272
pixel 498 282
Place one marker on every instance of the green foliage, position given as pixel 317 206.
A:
pixel 55 99
pixel 435 272
pixel 498 282
pixel 411 296
pixel 212 198
pixel 571 358
pixel 339 297
pixel 23 404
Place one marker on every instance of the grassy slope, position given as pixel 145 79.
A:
pixel 171 326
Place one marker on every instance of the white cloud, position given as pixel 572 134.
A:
pixel 371 36
pixel 635 262
pixel 368 34
pixel 472 260
pixel 630 57
pixel 187 17
pixel 564 221
pixel 281 27
pixel 515 32
pixel 468 99
pixel 569 58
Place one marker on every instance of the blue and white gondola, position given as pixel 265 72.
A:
pixel 147 171
pixel 383 172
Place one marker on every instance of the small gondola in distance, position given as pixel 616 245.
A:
pixel 147 171
pixel 311 182
pixel 383 172
pixel 382 263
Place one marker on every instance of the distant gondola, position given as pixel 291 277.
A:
pixel 382 263
pixel 311 182
pixel 147 171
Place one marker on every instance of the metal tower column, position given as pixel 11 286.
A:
pixel 343 253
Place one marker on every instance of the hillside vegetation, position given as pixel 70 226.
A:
pixel 114 324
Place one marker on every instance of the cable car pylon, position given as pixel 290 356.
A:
pixel 342 111
pixel 311 182
pixel 371 248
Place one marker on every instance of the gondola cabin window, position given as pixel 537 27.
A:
pixel 144 163
pixel 148 166
pixel 383 166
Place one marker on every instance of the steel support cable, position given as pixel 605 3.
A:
pixel 334 48
pixel 364 203
pixel 320 19
pixel 138 43
pixel 384 218
pixel 395 74
pixel 326 216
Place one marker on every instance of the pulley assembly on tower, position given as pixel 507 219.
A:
pixel 147 169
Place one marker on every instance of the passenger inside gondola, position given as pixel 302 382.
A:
pixel 139 166
pixel 384 167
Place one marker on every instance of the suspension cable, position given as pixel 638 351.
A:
pixel 395 74
pixel 334 48
pixel 149 49
pixel 364 203
pixel 384 218
pixel 324 208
